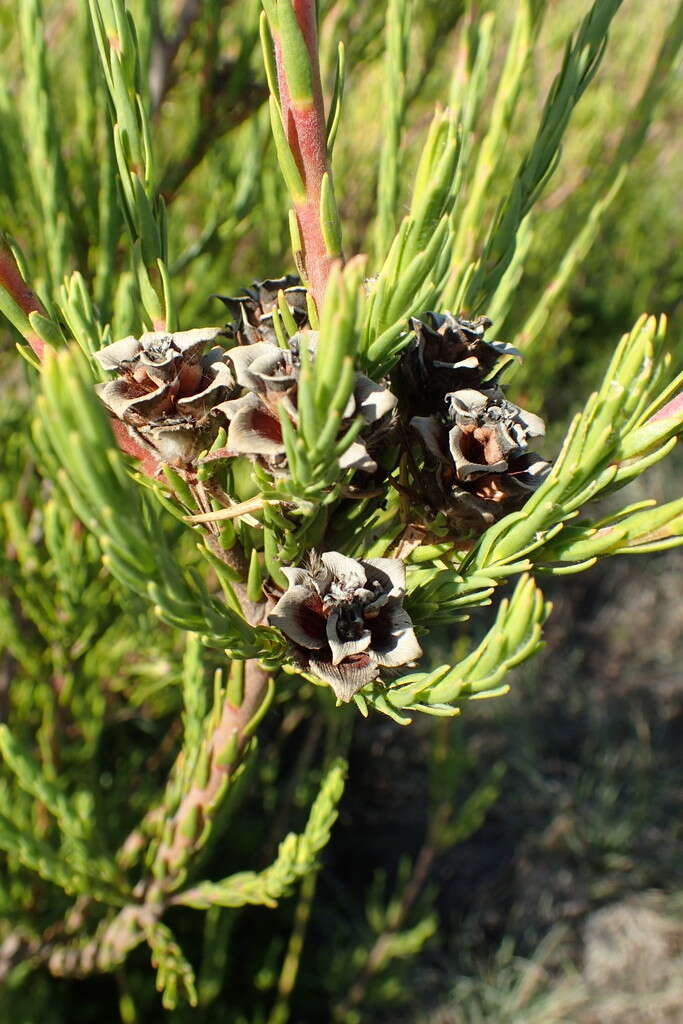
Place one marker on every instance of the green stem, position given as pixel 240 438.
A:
pixel 290 967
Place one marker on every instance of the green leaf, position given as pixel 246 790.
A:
pixel 296 59
pixel 329 218
pixel 290 171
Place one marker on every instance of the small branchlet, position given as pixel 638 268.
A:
pixel 142 207
pixel 300 133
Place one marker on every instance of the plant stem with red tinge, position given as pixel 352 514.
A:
pixel 225 749
pixel 20 302
pixel 303 119
pixel 21 296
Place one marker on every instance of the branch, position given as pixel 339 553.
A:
pixel 19 301
pixel 77 958
pixel 302 114
pixel 226 749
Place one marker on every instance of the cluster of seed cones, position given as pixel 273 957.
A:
pixel 466 445
pixel 476 442
pixel 173 395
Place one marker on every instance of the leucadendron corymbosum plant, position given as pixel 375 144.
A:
pixel 343 451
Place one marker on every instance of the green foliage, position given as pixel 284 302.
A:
pixel 514 637
pixel 581 61
pixel 296 857
pixel 411 277
pixel 47 169
pixel 173 970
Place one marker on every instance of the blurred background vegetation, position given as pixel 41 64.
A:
pixel 520 865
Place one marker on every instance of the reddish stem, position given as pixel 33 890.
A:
pixel 231 734
pixel 672 408
pixel 15 286
pixel 307 136
pixel 27 300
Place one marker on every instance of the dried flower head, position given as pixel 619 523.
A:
pixel 480 449
pixel 269 375
pixel 167 390
pixel 447 353
pixel 345 619
pixel 488 430
pixel 253 308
